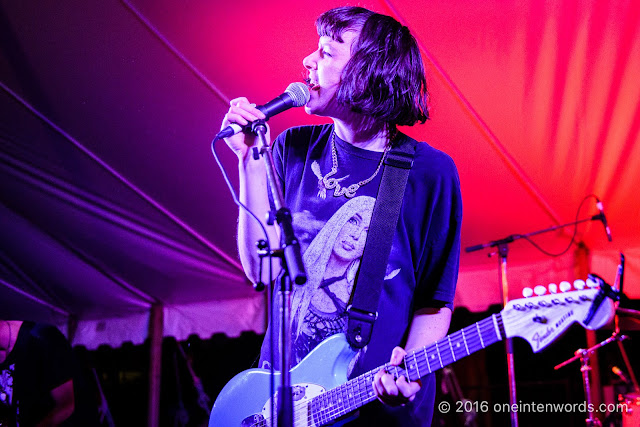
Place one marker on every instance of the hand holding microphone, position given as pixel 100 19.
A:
pixel 242 113
pixel 257 178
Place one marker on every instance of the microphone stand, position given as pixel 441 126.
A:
pixel 293 272
pixel 503 251
pixel 585 369
pixel 606 291
pixel 623 353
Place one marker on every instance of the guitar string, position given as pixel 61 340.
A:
pixel 326 395
pixel 484 328
pixel 361 383
pixel 474 340
pixel 368 397
pixel 486 324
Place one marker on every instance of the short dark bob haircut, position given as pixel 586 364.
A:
pixel 384 78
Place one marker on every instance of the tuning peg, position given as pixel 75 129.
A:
pixel 553 288
pixel 579 284
pixel 591 283
pixel 539 290
pixel 527 292
pixel 565 286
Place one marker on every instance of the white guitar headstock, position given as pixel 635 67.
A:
pixel 541 319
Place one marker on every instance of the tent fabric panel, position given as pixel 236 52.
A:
pixel 230 317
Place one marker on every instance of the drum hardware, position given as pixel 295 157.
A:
pixel 584 354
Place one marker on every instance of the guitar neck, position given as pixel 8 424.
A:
pixel 357 392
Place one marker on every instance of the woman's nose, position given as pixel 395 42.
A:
pixel 309 61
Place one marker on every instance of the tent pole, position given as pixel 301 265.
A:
pixel 503 251
pixel 156 321
pixel 582 268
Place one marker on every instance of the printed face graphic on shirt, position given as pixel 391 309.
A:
pixel 349 244
pixel 331 260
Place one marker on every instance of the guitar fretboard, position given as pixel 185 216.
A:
pixel 357 392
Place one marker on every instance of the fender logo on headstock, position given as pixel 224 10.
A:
pixel 540 338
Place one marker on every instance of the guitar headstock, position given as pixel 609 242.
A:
pixel 543 318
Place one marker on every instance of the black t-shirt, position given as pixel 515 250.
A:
pixel 40 361
pixel 423 263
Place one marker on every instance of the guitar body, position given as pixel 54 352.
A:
pixel 245 400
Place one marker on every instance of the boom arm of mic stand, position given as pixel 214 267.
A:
pixel 493 243
pixel 515 237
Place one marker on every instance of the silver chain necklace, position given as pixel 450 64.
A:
pixel 327 183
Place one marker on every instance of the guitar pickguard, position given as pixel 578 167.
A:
pixel 301 394
pixel 248 392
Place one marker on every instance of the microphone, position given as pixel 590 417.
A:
pixel 296 95
pixel 603 218
pixel 620 375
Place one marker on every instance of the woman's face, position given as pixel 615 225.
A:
pixel 325 67
pixel 350 241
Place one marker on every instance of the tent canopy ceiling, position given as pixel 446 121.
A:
pixel 111 200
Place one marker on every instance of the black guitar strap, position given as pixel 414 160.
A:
pixel 363 309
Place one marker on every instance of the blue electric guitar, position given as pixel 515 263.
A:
pixel 322 395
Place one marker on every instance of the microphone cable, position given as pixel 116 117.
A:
pixel 573 236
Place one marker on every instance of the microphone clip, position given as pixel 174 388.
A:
pixel 259 125
pixel 606 291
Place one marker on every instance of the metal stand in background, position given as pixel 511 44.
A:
pixel 624 312
pixel 503 251
pixel 294 272
pixel 451 387
pixel 585 369
pixel 585 354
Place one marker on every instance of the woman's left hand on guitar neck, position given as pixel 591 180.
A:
pixel 395 392
pixel 428 325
